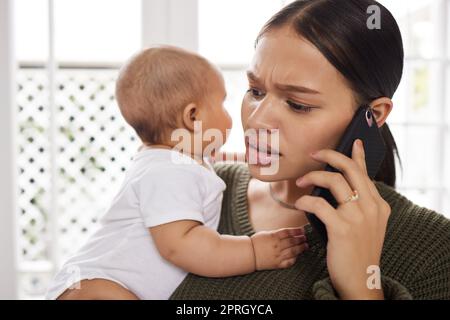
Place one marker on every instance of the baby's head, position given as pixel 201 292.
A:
pixel 164 88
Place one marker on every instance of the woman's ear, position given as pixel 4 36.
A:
pixel 381 108
pixel 190 115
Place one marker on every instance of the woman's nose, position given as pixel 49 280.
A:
pixel 263 115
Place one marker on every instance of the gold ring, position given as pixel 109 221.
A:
pixel 353 197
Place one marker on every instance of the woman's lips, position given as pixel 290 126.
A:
pixel 261 156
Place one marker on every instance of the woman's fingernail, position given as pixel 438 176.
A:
pixel 360 143
pixel 313 154
pixel 298 181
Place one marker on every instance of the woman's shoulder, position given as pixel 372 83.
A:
pixel 417 243
pixel 231 172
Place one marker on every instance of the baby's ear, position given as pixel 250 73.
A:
pixel 190 115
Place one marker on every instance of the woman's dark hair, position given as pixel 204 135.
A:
pixel 371 59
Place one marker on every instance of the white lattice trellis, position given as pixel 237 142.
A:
pixel 93 145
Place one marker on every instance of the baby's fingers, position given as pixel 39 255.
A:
pixel 289 232
pixel 294 251
pixel 292 241
pixel 288 263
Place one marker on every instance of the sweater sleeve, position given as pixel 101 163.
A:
pixel 433 281
pixel 434 285
pixel 392 289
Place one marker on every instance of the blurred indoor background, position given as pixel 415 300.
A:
pixel 59 60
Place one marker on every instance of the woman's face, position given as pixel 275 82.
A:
pixel 293 88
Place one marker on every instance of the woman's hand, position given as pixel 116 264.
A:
pixel 355 229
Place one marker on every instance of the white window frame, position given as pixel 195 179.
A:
pixel 8 186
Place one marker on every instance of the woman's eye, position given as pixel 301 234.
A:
pixel 299 107
pixel 255 93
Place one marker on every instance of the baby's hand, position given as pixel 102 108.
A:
pixel 278 249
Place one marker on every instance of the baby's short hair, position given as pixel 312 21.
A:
pixel 156 84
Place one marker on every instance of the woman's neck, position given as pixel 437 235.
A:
pixel 288 192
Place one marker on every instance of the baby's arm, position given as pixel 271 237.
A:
pixel 203 251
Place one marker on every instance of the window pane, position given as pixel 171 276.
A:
pixel 31 30
pixel 399 134
pixel 421 96
pixel 85 30
pixel 419 153
pixel 97 30
pixel 418 23
pixel 422 197
pixel 228 29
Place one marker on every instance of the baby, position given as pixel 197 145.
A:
pixel 162 223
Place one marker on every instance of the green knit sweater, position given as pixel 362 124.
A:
pixel 415 262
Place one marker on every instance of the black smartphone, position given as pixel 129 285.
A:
pixel 363 126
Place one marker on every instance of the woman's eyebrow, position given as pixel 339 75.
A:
pixel 251 76
pixel 293 88
pixel 284 87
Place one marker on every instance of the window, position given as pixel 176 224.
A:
pixel 73 146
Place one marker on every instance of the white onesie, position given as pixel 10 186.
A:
pixel 161 186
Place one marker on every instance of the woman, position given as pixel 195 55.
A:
pixel 316 62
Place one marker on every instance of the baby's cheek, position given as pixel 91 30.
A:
pixel 229 121
pixel 226 124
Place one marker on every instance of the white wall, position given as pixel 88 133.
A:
pixel 7 164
